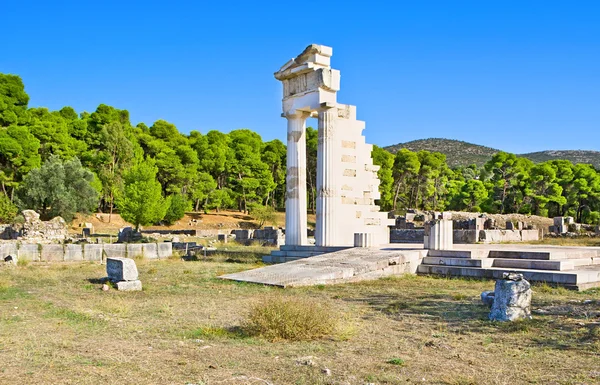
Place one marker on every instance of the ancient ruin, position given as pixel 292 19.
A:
pixel 347 183
pixel 352 236
pixel 123 273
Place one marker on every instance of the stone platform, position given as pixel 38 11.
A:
pixel 572 267
pixel 575 268
pixel 347 265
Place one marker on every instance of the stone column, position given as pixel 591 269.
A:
pixel 295 199
pixel 326 228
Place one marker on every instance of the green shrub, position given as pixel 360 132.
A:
pixel 178 205
pixel 8 210
pixel 263 214
pixel 292 319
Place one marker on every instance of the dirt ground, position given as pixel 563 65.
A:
pixel 221 220
pixel 58 327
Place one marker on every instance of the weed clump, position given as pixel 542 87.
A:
pixel 292 319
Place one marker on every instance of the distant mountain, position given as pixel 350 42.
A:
pixel 575 156
pixel 459 153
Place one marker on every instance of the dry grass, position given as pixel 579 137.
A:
pixel 58 327
pixel 293 319
pixel 583 241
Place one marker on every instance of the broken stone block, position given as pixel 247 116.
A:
pixel 487 297
pixel 121 269
pixel 129 285
pixel 512 298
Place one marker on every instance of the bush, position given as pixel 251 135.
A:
pixel 263 214
pixel 291 319
pixel 8 210
pixel 178 205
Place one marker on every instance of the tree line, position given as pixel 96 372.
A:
pixel 63 162
pixel 505 184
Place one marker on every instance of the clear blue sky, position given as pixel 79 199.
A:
pixel 516 75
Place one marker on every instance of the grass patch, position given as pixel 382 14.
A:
pixel 216 332
pixel 292 319
pixel 8 293
pixel 396 361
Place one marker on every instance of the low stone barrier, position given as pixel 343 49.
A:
pixel 468 236
pixel 84 252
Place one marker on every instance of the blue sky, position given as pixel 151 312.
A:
pixel 516 75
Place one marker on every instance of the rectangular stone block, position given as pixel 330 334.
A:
pixel 117 250
pixel 129 285
pixel 73 253
pixel 29 252
pixel 150 250
pixel 7 249
pixel 92 252
pixel 121 269
pixel 165 249
pixel 134 250
pixel 52 253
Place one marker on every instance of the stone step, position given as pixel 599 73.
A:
pixel 277 259
pixel 575 279
pixel 585 261
pixel 522 254
pixel 474 254
pixel 316 249
pixel 534 264
pixel 300 254
pixel 461 261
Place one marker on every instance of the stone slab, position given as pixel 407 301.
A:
pixel 134 250
pixel 116 250
pixel 165 249
pixel 129 285
pixel 121 269
pixel 7 249
pixel 52 253
pixel 92 252
pixel 348 265
pixel 150 250
pixel 73 252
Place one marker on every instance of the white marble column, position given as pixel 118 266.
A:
pixel 295 200
pixel 326 228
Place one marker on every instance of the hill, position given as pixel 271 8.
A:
pixel 459 153
pixel 575 156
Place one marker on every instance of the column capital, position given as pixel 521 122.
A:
pixel 296 114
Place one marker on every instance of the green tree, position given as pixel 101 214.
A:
pixel 13 101
pixel 177 205
pixel 406 169
pixel 8 210
pixel 385 161
pixel 115 155
pixel 312 141
pixel 58 188
pixel 141 201
pixel 263 214
pixel 472 195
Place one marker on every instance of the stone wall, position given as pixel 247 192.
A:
pixel 84 252
pixel 468 236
